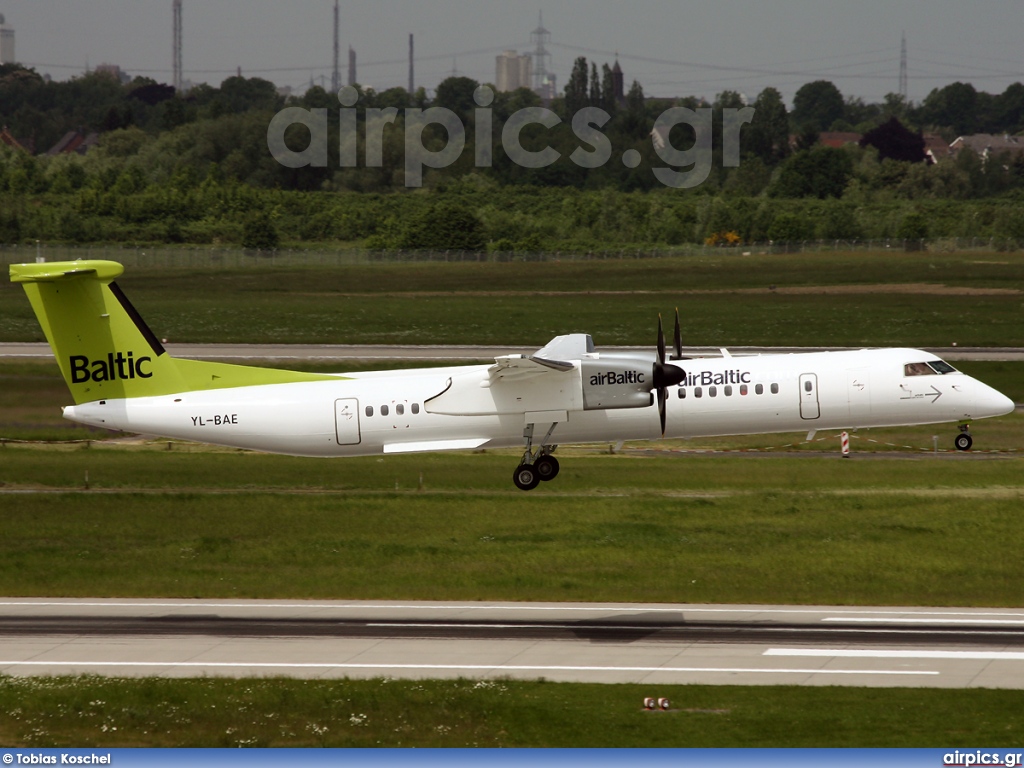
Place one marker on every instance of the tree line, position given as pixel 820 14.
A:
pixel 195 168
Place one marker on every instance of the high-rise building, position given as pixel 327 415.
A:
pixel 6 42
pixel 514 71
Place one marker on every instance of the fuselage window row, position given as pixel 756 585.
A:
pixel 399 410
pixel 698 392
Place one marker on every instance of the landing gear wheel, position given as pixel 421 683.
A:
pixel 526 477
pixel 963 442
pixel 547 468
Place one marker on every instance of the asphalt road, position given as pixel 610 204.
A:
pixel 748 645
pixel 346 352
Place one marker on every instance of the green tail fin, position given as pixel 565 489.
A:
pixel 104 348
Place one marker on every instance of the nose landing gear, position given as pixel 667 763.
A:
pixel 964 441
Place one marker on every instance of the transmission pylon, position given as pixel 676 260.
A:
pixel 540 37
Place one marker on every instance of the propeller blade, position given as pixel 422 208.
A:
pixel 662 398
pixel 677 339
pixel 661 342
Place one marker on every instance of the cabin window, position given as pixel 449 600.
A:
pixel 369 411
pixel 808 386
pixel 415 408
pixel 400 409
pixel 384 411
pixel 698 392
pixel 682 393
pixel 728 391
pixel 759 389
pixel 775 390
pixel 712 391
pixel 744 390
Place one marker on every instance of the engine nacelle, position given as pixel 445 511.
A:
pixel 617 381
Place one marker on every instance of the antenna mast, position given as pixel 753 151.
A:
pixel 903 67
pixel 336 74
pixel 178 80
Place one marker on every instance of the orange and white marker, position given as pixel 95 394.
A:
pixel 845 437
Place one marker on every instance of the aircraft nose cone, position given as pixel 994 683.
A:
pixel 994 403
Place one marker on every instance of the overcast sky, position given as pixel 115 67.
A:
pixel 672 47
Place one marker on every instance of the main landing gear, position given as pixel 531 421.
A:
pixel 536 466
pixel 964 441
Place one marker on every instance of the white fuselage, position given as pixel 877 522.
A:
pixel 390 412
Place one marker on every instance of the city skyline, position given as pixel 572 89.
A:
pixel 672 51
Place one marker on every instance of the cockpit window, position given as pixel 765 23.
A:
pixel 928 369
pixel 917 369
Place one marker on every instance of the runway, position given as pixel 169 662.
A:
pixel 344 353
pixel 597 643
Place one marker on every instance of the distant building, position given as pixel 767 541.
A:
pixel 76 142
pixel 8 140
pixel 114 71
pixel 6 42
pixel 514 71
pixel 833 139
pixel 935 148
pixel 985 144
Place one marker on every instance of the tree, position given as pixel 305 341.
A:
pixel 820 172
pixel 954 106
pixel 894 142
pixel 636 124
pixel 768 135
pixel 576 94
pixel 608 97
pixel 595 87
pixel 818 104
pixel 456 94
pixel 445 226
pixel 913 230
pixel 259 233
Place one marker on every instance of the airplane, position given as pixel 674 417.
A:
pixel 121 378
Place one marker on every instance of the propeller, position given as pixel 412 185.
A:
pixel 665 374
pixel 677 339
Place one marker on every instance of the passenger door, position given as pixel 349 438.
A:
pixel 346 421
pixel 810 408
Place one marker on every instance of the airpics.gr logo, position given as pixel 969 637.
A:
pixel 117 366
pixel 617 377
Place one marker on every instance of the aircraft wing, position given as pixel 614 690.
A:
pixel 513 366
pixel 517 384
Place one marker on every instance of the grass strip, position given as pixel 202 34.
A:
pixel 93 712
pixel 774 530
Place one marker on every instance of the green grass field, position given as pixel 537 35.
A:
pixel 775 529
pixel 904 299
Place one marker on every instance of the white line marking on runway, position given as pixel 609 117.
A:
pixel 938 620
pixel 455 667
pixel 967 655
